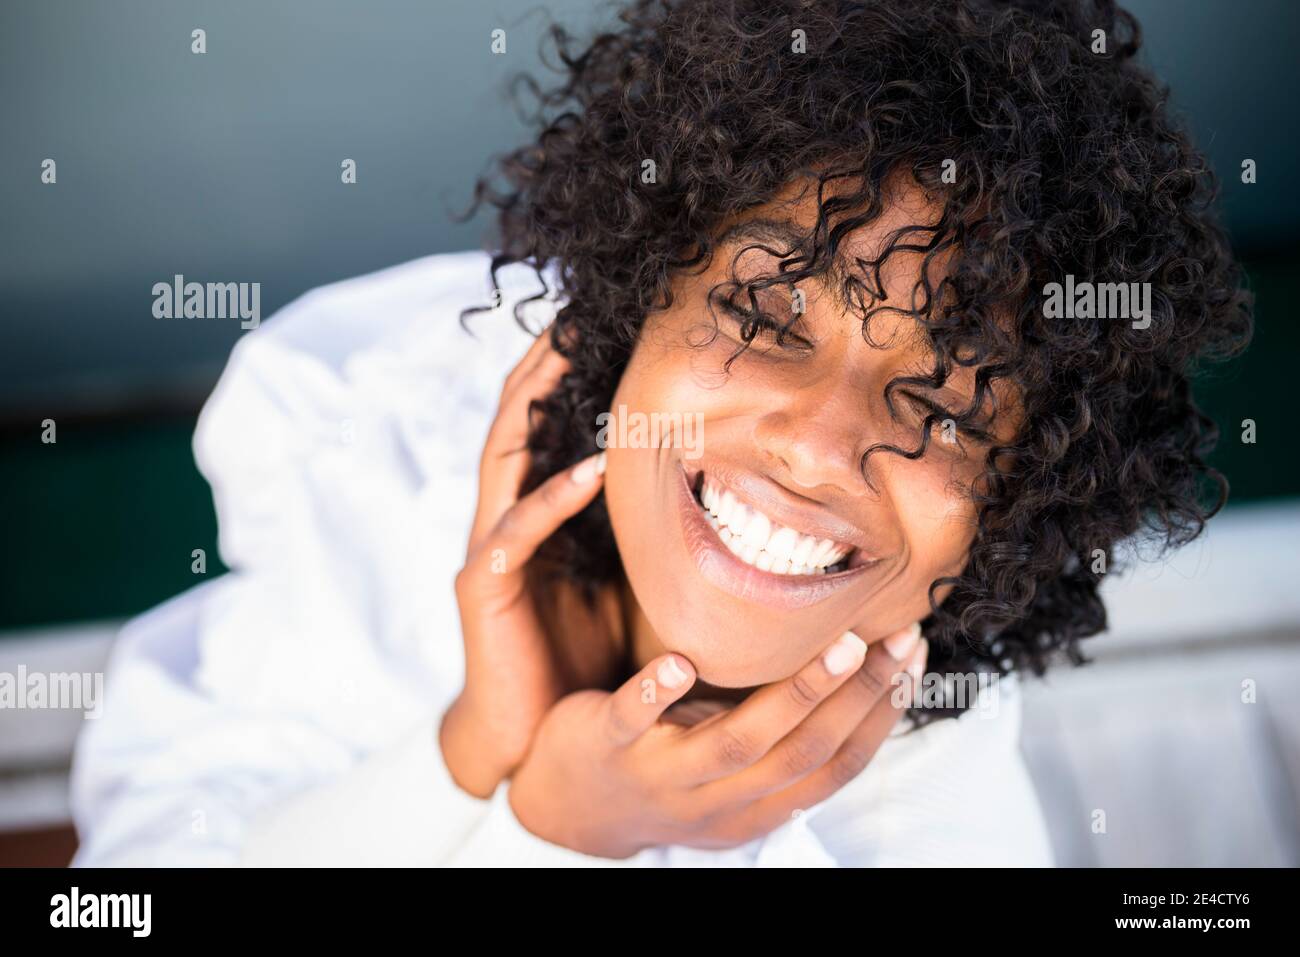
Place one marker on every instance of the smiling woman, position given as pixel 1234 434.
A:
pixel 705 648
pixel 839 267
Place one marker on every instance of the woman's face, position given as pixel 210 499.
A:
pixel 743 516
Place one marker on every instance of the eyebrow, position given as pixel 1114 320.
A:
pixel 764 230
pixel 787 235
pixel 774 231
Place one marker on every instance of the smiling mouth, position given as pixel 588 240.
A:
pixel 754 562
pixel 762 543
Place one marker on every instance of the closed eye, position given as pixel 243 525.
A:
pixel 929 405
pixel 759 325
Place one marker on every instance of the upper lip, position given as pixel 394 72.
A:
pixel 783 506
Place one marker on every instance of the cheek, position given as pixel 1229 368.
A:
pixel 937 517
pixel 677 367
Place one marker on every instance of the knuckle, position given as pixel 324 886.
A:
pixel 508 525
pixel 803 753
pixel 871 678
pixel 734 749
pixel 464 583
pixel 848 764
pixel 551 493
pixel 617 725
pixel 802 692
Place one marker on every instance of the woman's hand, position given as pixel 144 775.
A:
pixel 606 776
pixel 511 677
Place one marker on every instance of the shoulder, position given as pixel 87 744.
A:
pixel 401 303
pixel 380 364
pixel 407 318
pixel 341 445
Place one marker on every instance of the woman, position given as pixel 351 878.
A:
pixel 799 401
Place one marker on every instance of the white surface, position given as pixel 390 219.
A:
pixel 1242 576
pixel 44 738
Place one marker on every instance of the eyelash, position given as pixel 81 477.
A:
pixel 767 328
pixel 970 431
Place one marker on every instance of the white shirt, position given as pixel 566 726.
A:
pixel 286 713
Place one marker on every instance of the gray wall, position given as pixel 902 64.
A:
pixel 225 167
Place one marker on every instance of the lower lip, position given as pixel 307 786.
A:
pixel 722 569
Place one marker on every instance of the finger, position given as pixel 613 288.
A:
pixel 532 520
pixel 744 736
pixel 504 462
pixel 509 428
pixel 816 740
pixel 528 361
pixel 637 705
pixel 688 714
pixel 848 762
pixel 540 361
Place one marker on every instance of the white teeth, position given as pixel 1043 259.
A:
pixel 782 543
pixel 822 553
pixel 739 519
pixel 756 540
pixel 758 530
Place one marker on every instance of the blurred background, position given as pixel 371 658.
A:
pixel 226 167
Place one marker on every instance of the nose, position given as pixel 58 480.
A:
pixel 817 441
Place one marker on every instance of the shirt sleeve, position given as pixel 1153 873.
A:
pixel 397 807
pixel 401 807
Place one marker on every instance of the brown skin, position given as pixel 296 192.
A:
pixel 800 420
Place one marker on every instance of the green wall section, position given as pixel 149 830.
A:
pixel 102 523
pixel 1260 385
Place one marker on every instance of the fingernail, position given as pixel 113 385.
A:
pixel 900 644
pixel 916 668
pixel 845 654
pixel 916 672
pixel 585 472
pixel 670 673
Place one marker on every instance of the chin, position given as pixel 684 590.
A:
pixel 733 654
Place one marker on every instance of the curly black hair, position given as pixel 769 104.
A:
pixel 1067 163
